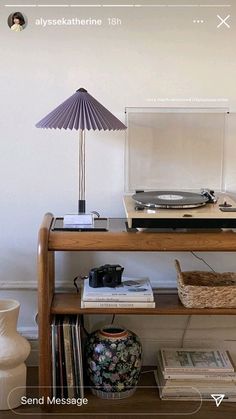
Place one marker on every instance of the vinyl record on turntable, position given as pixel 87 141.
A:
pixel 170 199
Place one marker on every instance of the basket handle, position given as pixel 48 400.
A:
pixel 177 267
pixel 180 278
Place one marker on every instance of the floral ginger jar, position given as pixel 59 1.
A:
pixel 114 357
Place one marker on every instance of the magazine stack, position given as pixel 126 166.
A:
pixel 131 293
pixel 193 374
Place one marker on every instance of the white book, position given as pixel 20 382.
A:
pixel 206 398
pixel 191 376
pixel 218 385
pixel 131 289
pixel 190 391
pixel 189 387
pixel 117 304
pixel 198 377
pixel 195 360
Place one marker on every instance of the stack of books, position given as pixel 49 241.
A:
pixel 67 368
pixel 132 293
pixel 193 374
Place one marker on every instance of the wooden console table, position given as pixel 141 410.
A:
pixel 116 239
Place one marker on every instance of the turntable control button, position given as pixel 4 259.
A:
pixel 139 207
pixel 187 215
pixel 225 205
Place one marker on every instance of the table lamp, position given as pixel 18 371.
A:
pixel 81 112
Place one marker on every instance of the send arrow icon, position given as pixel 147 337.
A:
pixel 218 398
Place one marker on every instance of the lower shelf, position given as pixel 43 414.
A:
pixel 69 303
pixel 144 403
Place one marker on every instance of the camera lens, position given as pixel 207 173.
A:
pixel 108 281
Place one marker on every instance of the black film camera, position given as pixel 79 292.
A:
pixel 105 276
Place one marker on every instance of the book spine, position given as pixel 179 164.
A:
pixel 198 371
pixel 202 393
pixel 116 304
pixel 190 399
pixel 121 298
pixel 222 363
pixel 197 377
pixel 210 377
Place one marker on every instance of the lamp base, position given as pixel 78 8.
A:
pixel 100 224
pixel 81 219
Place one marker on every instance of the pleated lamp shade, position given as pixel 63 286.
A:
pixel 81 112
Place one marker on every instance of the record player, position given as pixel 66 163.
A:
pixel 180 209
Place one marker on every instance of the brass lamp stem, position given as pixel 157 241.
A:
pixel 81 202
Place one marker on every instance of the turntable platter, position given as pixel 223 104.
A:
pixel 170 199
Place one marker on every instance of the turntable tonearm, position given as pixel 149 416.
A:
pixel 180 209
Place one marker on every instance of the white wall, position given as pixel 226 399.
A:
pixel 155 54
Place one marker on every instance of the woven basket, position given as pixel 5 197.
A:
pixel 201 289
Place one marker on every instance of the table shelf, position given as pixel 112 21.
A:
pixel 116 239
pixel 166 304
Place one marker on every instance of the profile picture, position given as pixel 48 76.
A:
pixel 17 21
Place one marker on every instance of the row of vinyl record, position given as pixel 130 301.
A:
pixel 67 366
pixel 131 293
pixel 195 374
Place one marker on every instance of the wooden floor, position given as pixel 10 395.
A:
pixel 145 403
